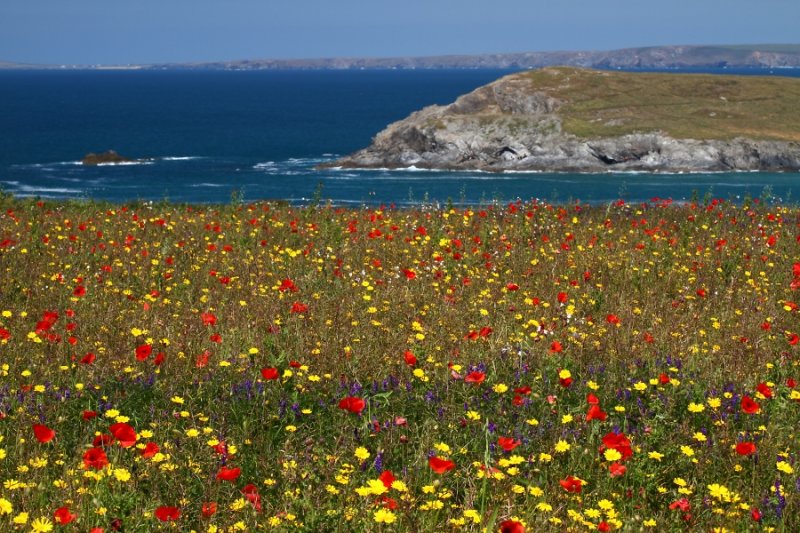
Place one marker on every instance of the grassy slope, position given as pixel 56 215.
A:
pixel 689 106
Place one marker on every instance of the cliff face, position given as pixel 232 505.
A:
pixel 579 120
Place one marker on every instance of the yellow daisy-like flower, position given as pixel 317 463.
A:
pixel 361 453
pixel 784 467
pixel 41 525
pixel 384 516
pixel 696 407
pixel 5 507
pixel 655 455
pixel 612 455
pixel 562 446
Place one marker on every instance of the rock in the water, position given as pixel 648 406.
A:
pixel 109 157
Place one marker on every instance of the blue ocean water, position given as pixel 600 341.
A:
pixel 207 136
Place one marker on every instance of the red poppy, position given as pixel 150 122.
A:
pixel 287 285
pixel 556 347
pixel 387 478
pixel 88 359
pixel 298 307
pixel 591 399
pixel 565 382
pixel 43 433
pixel 755 514
pixel 475 377
pixel 749 405
pixel 410 274
pixel 410 358
pixel 353 404
pixel 682 504
pixel 791 383
pixel 663 379
pixel 95 458
pixel 612 319
pixel 562 297
pixel 745 448
pixel 511 526
pixel 270 373
pixel 508 443
pixel 595 413
pixel 523 390
pixel 764 389
pixel 619 442
pixel 228 474
pixel 124 433
pixel 794 339
pixel 512 287
pixel 88 415
pixel 208 319
pixel 79 291
pixel 485 332
pixel 202 359
pixel 143 352
pixel 167 514
pixel 616 469
pixel 251 494
pixel 104 439
pixel 149 450
pixel 439 465
pixel 603 527
pixel 208 509
pixel 160 356
pixel 571 484
pixel 63 516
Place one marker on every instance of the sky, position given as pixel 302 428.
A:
pixel 159 31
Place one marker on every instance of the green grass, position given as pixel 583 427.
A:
pixel 684 106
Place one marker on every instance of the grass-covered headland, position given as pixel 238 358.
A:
pixel 521 367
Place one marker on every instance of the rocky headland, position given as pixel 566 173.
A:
pixel 574 119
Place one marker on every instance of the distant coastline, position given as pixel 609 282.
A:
pixel 653 57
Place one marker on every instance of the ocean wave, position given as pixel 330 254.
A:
pixel 33 189
pixel 195 185
pixel 125 164
pixel 181 158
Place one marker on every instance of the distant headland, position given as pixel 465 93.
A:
pixel 582 120
pixel 653 57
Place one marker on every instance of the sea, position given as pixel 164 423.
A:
pixel 221 136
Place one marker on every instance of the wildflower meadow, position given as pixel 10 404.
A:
pixel 512 367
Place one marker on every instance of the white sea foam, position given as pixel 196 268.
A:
pixel 180 158
pixel 32 189
pixel 125 164
pixel 207 185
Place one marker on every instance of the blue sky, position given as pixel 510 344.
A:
pixel 153 31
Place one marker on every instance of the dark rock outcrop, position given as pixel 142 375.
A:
pixel 109 157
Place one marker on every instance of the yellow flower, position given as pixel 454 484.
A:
pixel 544 507
pixel 640 386
pixel 784 467
pixel 21 519
pixel 696 407
pixel 564 374
pixel 566 419
pixel 473 415
pixel 687 451
pixel 41 525
pixel 562 446
pixel 122 474
pixel 384 516
pixel 361 453
pixel 612 455
pixel 655 455
pixel 5 507
pixel 399 486
pixel 500 388
pixel 714 403
pixel 177 399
